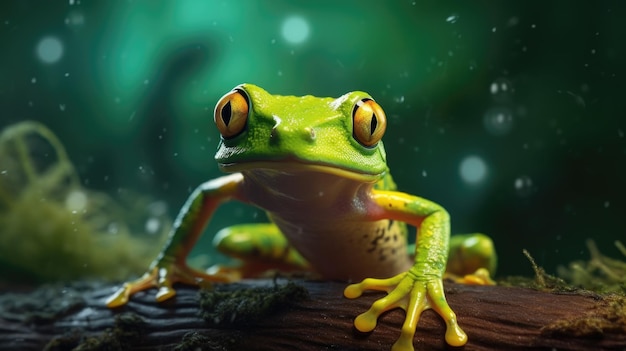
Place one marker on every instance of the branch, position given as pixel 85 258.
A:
pixel 307 315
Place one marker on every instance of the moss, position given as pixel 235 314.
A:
pixel 243 307
pixel 601 275
pixel 194 341
pixel 541 280
pixel 128 327
pixel 607 316
pixel 53 228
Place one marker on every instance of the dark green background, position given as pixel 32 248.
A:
pixel 133 92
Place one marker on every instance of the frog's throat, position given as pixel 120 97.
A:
pixel 295 167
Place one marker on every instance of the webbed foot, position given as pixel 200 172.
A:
pixel 162 276
pixel 414 294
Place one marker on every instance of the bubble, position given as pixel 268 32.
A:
pixel 49 49
pixel 523 186
pixel 501 90
pixel 295 29
pixel 473 169
pixel 498 121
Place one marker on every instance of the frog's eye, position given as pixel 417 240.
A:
pixel 231 113
pixel 369 122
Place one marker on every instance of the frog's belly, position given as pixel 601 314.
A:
pixel 350 250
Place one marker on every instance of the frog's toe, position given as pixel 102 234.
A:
pixel 480 277
pixel 121 296
pixel 455 336
pixel 353 291
pixel 366 322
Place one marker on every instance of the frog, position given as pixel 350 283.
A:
pixel 317 166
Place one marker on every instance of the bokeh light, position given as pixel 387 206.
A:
pixel 473 170
pixel 49 49
pixel 295 29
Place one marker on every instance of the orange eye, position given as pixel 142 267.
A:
pixel 231 113
pixel 368 122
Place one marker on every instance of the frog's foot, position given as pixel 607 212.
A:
pixel 163 276
pixel 480 277
pixel 414 294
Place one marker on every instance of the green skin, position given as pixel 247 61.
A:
pixel 334 210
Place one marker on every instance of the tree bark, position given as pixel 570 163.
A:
pixel 494 317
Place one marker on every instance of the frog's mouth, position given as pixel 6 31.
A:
pixel 293 166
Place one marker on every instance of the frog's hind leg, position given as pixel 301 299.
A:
pixel 472 259
pixel 261 247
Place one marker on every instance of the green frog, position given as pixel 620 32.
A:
pixel 317 166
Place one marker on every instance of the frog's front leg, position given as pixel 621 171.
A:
pixel 170 266
pixel 421 287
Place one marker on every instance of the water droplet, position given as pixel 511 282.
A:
pixel 501 90
pixel 498 121
pixel 295 29
pixel 152 225
pixel 523 186
pixel 76 200
pixel 424 174
pixel 62 107
pixel 473 169
pixel 452 18
pixel 33 80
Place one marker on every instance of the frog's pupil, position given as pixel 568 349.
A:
pixel 226 113
pixel 373 123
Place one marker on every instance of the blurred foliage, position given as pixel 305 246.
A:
pixel 600 272
pixel 509 114
pixel 53 228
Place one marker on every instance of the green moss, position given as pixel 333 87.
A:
pixel 194 341
pixel 128 327
pixel 233 306
pixel 55 229
pixel 600 274
pixel 541 280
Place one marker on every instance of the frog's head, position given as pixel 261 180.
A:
pixel 338 136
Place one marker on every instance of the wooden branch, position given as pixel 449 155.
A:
pixel 495 318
